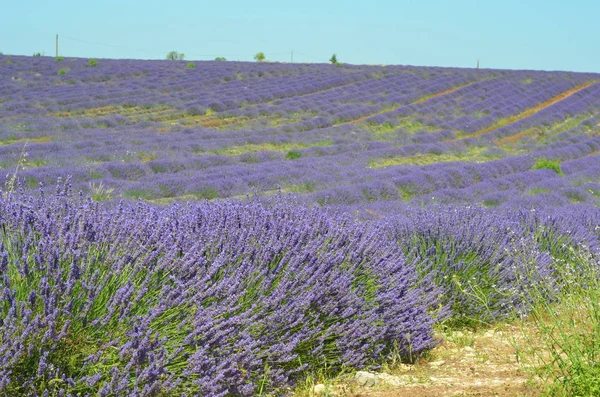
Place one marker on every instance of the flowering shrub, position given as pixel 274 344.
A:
pixel 209 299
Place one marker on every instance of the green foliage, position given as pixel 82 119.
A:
pixel 259 57
pixel 175 56
pixel 37 54
pixel 191 65
pixel 292 155
pixel 99 192
pixel 566 346
pixel 207 193
pixel 334 60
pixel 59 59
pixel 93 62
pixel 62 71
pixel 220 59
pixel 543 163
pixel 138 194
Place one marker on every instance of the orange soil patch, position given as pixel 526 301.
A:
pixel 87 112
pixel 533 110
pixel 451 90
pixel 43 139
pixel 592 154
pixel 513 139
pixel 215 123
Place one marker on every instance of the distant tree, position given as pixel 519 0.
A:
pixel 175 56
pixel 93 62
pixel 37 54
pixel 220 59
pixel 260 57
pixel 333 59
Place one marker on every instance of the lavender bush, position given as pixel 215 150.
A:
pixel 208 299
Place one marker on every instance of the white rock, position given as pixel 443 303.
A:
pixel 406 367
pixel 319 389
pixel 365 378
pixel 436 364
pixel 392 380
pixel 388 379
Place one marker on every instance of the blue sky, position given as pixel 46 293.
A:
pixel 510 34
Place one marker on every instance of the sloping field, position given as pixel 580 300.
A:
pixel 343 135
pixel 420 199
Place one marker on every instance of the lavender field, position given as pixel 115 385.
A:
pixel 172 228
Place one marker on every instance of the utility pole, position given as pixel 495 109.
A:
pixel 478 64
pixel 292 60
pixel 56 46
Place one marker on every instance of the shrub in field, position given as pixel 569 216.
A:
pixel 93 62
pixel 59 59
pixel 212 299
pixel 260 57
pixel 292 155
pixel 553 165
pixel 191 65
pixel 62 72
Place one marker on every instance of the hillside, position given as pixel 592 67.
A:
pixel 451 204
pixel 347 135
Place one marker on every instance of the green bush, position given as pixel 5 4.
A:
pixel 220 59
pixel 175 56
pixel 62 71
pixel 93 62
pixel 553 165
pixel 59 59
pixel 191 65
pixel 292 155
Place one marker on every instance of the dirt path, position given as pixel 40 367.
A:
pixel 532 111
pixel 421 100
pixel 484 363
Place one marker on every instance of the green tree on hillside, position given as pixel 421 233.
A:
pixel 334 60
pixel 260 57
pixel 220 59
pixel 175 56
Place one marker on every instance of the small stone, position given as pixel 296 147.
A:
pixel 406 368
pixel 469 349
pixel 393 380
pixel 365 378
pixel 436 364
pixel 320 389
pixel 388 379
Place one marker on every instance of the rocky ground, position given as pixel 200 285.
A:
pixel 482 363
